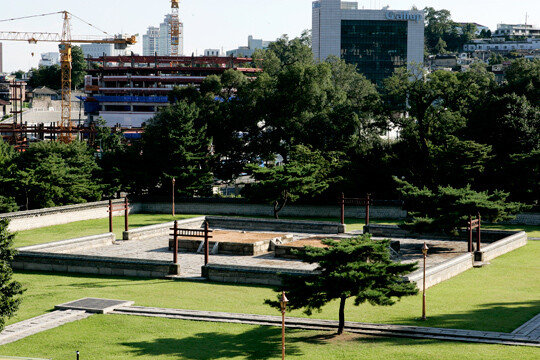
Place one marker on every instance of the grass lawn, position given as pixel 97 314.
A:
pixel 118 337
pixel 499 297
pixel 100 226
pixel 90 227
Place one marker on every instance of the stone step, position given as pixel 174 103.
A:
pixel 40 323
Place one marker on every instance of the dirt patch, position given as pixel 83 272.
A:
pixel 312 241
pixel 224 236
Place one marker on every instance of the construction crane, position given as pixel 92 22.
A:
pixel 174 27
pixel 65 41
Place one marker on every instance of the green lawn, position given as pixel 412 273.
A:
pixel 100 226
pixel 90 227
pixel 116 337
pixel 499 297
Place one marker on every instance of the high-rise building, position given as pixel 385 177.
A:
pixel 376 41
pixel 158 39
pixel 1 55
pixel 150 41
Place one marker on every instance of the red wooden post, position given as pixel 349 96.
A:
pixel 342 203
pixel 206 243
pixel 110 216
pixel 175 240
pixel 469 229
pixel 367 209
pixel 478 240
pixel 126 214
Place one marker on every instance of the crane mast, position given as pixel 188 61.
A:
pixel 175 27
pixel 65 65
pixel 66 59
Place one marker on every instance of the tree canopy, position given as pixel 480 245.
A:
pixel 358 267
pixel 10 296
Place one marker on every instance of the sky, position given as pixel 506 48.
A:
pixel 217 24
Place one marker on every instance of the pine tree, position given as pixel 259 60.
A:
pixel 358 267
pixel 11 289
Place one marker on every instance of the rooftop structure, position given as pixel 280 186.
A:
pixel 496 45
pixel 513 30
pixel 247 51
pixel 376 41
pixel 128 90
pixel 49 59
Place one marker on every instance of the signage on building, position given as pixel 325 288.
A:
pixel 403 15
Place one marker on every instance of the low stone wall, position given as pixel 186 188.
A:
pixel 457 265
pixel 394 231
pixel 247 274
pixel 230 248
pixel 40 261
pixel 33 219
pixel 253 224
pixel 527 218
pixel 66 246
pixel 504 246
pixel 246 209
pixel 163 229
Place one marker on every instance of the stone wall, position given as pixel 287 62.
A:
pixel 254 224
pixel 163 229
pixel 33 219
pixel 245 209
pixel 247 275
pixel 66 263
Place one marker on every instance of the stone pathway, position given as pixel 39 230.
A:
pixel 352 327
pixel 41 323
pixel 526 335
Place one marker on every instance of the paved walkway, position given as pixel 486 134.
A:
pixel 526 335
pixel 41 323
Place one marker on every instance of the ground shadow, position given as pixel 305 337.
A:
pixel 261 342
pixel 498 317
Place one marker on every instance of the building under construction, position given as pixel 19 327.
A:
pixel 126 91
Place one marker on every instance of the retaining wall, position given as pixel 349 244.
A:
pixel 65 246
pixel 246 209
pixel 41 261
pixel 32 219
pixel 163 229
pixel 247 274
pixel 251 224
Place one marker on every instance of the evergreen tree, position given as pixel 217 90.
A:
pixel 357 267
pixel 11 289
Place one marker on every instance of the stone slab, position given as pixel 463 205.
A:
pixel 94 305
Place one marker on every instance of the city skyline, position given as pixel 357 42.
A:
pixel 226 25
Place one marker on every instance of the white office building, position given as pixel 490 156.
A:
pixel 49 59
pixel 150 41
pixel 247 51
pixel 376 41
pixel 98 50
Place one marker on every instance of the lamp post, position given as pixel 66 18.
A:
pixel 283 304
pixel 424 252
pixel 173 181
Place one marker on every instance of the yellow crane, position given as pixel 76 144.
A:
pixel 175 27
pixel 65 41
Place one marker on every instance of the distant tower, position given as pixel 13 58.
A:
pixel 175 27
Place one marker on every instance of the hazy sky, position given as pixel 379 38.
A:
pixel 216 23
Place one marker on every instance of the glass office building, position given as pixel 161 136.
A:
pixel 376 41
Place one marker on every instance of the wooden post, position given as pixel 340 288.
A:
pixel 367 209
pixel 175 237
pixel 342 203
pixel 469 230
pixel 478 240
pixel 206 244
pixel 110 216
pixel 126 214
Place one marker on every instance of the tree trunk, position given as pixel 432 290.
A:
pixel 341 315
